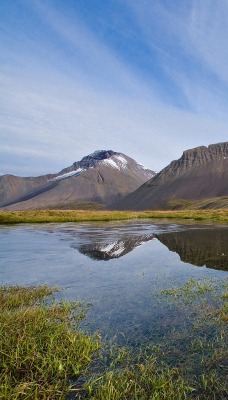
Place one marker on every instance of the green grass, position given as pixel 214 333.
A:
pixel 211 203
pixel 190 290
pixel 41 347
pixel 46 355
pixel 45 216
pixel 189 361
pixel 141 380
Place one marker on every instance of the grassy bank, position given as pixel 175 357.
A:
pixel 41 346
pixel 45 216
pixel 45 355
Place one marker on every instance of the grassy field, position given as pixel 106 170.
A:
pixel 215 203
pixel 44 354
pixel 45 216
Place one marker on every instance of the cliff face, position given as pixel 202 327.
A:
pixel 215 155
pixel 200 173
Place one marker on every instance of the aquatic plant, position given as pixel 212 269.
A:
pixel 46 355
pixel 41 344
pixel 187 362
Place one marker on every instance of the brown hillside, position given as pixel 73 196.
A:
pixel 200 173
pixel 103 177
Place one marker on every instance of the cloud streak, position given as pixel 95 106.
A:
pixel 189 39
pixel 67 90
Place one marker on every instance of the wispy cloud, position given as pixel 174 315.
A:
pixel 49 133
pixel 189 39
pixel 71 92
pixel 92 61
pixel 208 32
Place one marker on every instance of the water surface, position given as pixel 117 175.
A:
pixel 120 267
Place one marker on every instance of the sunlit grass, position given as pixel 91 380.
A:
pixel 140 379
pixel 41 347
pixel 45 216
pixel 45 354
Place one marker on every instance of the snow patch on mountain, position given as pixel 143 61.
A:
pixel 142 166
pixel 121 161
pixel 117 162
pixel 106 158
pixel 111 163
pixel 68 174
pixel 147 172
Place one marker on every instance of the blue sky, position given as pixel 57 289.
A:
pixel 147 78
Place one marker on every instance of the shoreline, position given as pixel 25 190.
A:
pixel 62 216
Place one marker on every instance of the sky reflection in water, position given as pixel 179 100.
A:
pixel 119 267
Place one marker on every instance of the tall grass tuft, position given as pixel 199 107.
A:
pixel 41 345
pixel 45 355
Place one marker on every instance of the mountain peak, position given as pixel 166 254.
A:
pixel 102 177
pixel 101 154
pixel 92 159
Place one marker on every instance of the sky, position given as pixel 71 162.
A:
pixel 147 78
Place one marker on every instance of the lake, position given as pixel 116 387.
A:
pixel 118 267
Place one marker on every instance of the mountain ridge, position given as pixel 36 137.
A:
pixel 200 173
pixel 101 177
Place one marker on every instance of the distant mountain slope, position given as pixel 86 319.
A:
pixel 200 173
pixel 102 177
pixel 15 187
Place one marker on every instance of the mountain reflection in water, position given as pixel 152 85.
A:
pixel 115 249
pixel 200 247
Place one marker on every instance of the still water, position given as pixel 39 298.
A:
pixel 118 267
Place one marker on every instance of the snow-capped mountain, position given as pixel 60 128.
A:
pixel 102 177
